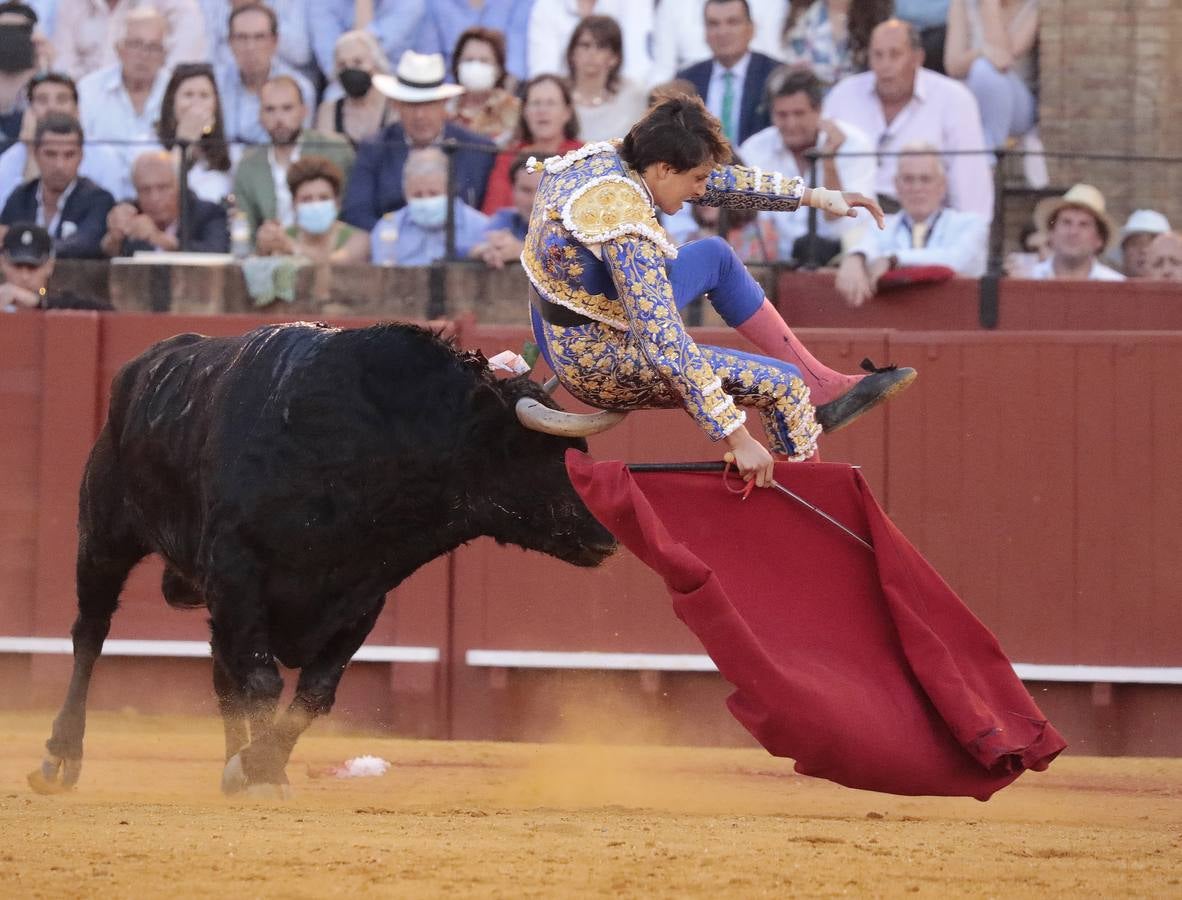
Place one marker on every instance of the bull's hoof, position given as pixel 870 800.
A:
pixel 56 775
pixel 233 776
pixel 268 791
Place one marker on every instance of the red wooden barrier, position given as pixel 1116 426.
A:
pixel 1035 470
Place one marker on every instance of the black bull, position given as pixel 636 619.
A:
pixel 290 478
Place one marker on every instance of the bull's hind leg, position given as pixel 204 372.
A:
pixel 265 758
pixel 232 706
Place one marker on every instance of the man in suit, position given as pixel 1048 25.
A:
pixel 418 88
pixel 260 186
pixel 732 81
pixel 72 208
pixel 152 223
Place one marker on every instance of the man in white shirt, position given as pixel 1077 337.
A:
pixel 797 127
pixel 1078 231
pixel 923 233
pixel 254 41
pixel 121 103
pixel 85 30
pixel 897 102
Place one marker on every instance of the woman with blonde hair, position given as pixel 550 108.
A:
pixel 352 106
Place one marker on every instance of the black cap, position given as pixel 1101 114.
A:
pixel 30 245
pixel 20 9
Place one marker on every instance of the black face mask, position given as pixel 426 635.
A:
pixel 16 48
pixel 356 82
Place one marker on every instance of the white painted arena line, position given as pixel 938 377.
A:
pixel 197 649
pixel 689 662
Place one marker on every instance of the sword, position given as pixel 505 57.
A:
pixel 721 467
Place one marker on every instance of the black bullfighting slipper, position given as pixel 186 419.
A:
pixel 881 384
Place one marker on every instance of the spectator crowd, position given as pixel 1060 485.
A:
pixel 397 131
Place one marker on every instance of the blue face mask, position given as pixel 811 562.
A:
pixel 317 216
pixel 428 212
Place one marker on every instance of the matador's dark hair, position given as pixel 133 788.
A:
pixel 677 130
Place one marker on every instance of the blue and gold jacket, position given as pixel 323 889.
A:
pixel 595 246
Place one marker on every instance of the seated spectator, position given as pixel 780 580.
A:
pixel 26 261
pixel 990 46
pixel 751 234
pixel 930 19
pixel 54 92
pixel 260 184
pixel 295 40
pixel 898 103
pixel 1135 238
pixel 376 184
pixel 607 105
pixel 1033 242
pixel 923 233
pixel 552 22
pixel 733 80
pixel 71 207
pixel 191 124
pixel 679 34
pixel 831 38
pixel 361 110
pixel 547 127
pixel 485 107
pixel 121 102
pixel 153 221
pixel 84 33
pixel 1165 257
pixel 504 235
pixel 447 20
pixel 315 184
pixel 254 42
pixel 422 232
pixel 394 23
pixel 796 129
pixel 28 53
pixel 1078 231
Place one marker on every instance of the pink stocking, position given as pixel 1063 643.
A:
pixel 771 334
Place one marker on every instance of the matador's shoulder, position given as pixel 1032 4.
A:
pixel 597 199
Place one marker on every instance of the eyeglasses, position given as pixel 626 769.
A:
pixel 258 37
pixel 154 48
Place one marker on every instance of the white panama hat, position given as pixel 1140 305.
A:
pixel 418 79
pixel 1145 221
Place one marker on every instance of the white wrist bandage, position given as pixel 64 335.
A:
pixel 829 201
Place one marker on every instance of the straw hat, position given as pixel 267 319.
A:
pixel 1080 196
pixel 419 79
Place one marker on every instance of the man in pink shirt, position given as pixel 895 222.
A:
pixel 898 102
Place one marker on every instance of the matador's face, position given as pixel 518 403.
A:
pixel 671 188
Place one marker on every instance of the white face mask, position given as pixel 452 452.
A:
pixel 477 75
pixel 428 212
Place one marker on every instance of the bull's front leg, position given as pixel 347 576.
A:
pixel 315 694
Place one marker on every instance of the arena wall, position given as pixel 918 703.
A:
pixel 1035 469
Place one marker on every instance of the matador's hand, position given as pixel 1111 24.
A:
pixel 856 200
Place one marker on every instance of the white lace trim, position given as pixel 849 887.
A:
pixel 739 422
pixel 556 164
pixel 661 240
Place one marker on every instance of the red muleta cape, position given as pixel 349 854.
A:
pixel 864 667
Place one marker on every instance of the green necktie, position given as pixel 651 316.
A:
pixel 728 105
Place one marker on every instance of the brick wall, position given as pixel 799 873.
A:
pixel 1110 74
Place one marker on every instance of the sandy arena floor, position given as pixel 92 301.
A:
pixel 512 820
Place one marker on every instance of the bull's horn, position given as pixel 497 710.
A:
pixel 550 385
pixel 539 417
